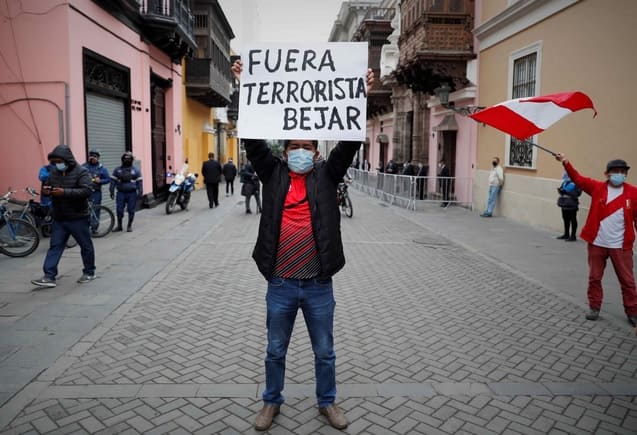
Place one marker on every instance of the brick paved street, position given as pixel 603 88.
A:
pixel 432 336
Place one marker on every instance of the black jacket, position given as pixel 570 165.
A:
pixel 211 171
pixel 229 171
pixel 76 182
pixel 321 186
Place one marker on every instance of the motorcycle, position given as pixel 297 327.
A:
pixel 180 189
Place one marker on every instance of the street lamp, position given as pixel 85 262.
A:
pixel 442 93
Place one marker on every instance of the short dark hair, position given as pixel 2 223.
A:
pixel 287 142
pixel 211 155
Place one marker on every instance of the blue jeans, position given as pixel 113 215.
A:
pixel 493 196
pixel 316 299
pixel 60 232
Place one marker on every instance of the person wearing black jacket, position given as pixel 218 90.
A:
pixel 211 171
pixel 568 201
pixel 229 173
pixel 250 187
pixel 69 185
pixel 298 250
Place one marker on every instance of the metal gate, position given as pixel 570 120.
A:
pixel 106 132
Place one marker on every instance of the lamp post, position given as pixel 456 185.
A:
pixel 442 92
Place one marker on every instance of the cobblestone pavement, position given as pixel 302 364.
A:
pixel 431 338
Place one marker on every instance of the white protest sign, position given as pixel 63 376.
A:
pixel 303 91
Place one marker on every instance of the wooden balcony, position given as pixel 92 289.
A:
pixel 206 83
pixel 168 24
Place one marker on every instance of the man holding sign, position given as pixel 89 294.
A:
pixel 299 246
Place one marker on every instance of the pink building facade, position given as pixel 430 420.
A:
pixel 378 146
pixel 75 74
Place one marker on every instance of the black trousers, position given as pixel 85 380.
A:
pixel 570 222
pixel 212 189
pixel 230 187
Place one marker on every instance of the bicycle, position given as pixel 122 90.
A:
pixel 33 212
pixel 18 237
pixel 102 221
pixel 343 200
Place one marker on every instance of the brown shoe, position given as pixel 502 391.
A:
pixel 265 416
pixel 334 416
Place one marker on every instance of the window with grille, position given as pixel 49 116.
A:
pixel 521 153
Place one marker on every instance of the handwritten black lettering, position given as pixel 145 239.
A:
pixel 292 88
pixel 267 61
pixel 352 117
pixel 249 86
pixel 289 119
pixel 277 88
pixel 308 57
pixel 321 111
pixel 320 90
pixel 335 118
pixel 252 62
pixel 263 93
pixel 305 118
pixel 327 61
pixel 341 93
pixel 291 60
pixel 307 88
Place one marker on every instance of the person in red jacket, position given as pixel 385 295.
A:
pixel 610 232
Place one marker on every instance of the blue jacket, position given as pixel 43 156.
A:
pixel 43 176
pixel 97 171
pixel 126 179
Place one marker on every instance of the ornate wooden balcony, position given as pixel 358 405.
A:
pixel 168 24
pixel 435 44
pixel 207 84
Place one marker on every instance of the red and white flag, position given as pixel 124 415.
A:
pixel 525 117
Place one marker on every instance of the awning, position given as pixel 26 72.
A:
pixel 448 123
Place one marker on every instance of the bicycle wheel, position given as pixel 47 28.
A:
pixel 18 238
pixel 347 206
pixel 105 220
pixel 19 214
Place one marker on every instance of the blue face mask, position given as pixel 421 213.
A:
pixel 617 179
pixel 300 160
pixel 61 166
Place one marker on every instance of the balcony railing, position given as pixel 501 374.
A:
pixel 177 10
pixel 380 14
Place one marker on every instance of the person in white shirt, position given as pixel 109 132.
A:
pixel 496 179
pixel 610 233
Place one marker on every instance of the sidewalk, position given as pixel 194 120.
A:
pixel 445 323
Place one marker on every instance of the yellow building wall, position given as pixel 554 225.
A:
pixel 587 47
pixel 491 8
pixel 196 142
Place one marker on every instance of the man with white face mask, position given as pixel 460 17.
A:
pixel 298 250
pixel 610 232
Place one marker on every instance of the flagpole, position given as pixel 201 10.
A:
pixel 554 154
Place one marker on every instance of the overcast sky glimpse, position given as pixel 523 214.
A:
pixel 280 20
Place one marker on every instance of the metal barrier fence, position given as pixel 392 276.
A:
pixel 410 191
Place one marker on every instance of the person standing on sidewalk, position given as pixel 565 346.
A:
pixel 610 232
pixel 99 177
pixel 496 179
pixel 127 179
pixel 69 185
pixel 211 171
pixel 250 187
pixel 298 250
pixel 229 173
pixel 568 201
pixel 445 182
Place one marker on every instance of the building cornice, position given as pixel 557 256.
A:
pixel 518 17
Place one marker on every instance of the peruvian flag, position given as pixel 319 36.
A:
pixel 525 117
